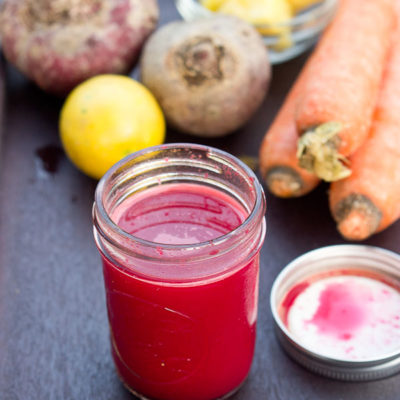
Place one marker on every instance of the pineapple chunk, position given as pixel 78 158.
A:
pixel 212 5
pixel 266 15
pixel 298 5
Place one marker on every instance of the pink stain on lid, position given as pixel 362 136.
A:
pixel 341 310
pixel 344 316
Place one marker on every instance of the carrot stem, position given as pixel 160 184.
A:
pixel 317 152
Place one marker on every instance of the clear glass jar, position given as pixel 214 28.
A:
pixel 285 40
pixel 182 316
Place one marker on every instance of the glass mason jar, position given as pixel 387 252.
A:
pixel 182 306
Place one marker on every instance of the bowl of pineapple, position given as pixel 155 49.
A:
pixel 288 27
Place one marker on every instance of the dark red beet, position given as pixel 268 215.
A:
pixel 60 43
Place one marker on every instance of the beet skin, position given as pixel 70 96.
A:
pixel 209 75
pixel 60 43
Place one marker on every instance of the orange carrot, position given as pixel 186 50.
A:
pixel 278 162
pixel 369 200
pixel 334 114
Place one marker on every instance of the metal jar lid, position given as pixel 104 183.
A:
pixel 351 257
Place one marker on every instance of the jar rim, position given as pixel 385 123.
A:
pixel 257 210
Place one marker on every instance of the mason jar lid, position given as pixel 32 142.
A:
pixel 373 266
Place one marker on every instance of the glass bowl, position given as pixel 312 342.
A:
pixel 283 40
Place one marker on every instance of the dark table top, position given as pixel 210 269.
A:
pixel 53 322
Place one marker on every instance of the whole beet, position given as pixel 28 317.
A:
pixel 209 75
pixel 60 43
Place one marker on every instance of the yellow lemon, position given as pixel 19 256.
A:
pixel 106 118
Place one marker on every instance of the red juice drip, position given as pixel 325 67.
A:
pixel 341 310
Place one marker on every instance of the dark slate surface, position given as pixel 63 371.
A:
pixel 53 324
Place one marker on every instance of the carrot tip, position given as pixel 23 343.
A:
pixel 357 217
pixel 355 227
pixel 317 152
pixel 284 182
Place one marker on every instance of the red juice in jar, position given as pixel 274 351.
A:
pixel 183 308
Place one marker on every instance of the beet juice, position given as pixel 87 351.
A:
pixel 179 228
